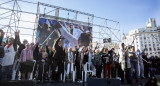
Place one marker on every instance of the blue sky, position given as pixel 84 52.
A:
pixel 131 14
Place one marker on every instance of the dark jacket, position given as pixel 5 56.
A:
pixel 21 46
pixel 97 59
pixel 1 52
pixel 77 59
pixel 59 51
pixel 1 47
pixel 106 58
pixel 35 53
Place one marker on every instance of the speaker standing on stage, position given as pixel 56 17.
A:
pixel 134 63
pixel 8 59
pixel 59 57
pixel 70 63
pixel 26 60
pixel 43 64
pixel 98 63
pixel 21 45
pixel 106 56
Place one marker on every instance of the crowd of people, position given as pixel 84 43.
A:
pixel 43 62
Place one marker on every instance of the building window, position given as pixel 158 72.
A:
pixel 144 38
pixel 149 44
pixel 150 49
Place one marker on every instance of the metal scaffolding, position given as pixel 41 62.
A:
pixel 102 27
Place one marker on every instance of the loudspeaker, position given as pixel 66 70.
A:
pixel 17 83
pixel 103 82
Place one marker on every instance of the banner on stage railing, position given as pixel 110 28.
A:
pixel 73 34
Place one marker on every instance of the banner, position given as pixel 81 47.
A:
pixel 73 34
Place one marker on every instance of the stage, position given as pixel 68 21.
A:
pixel 144 81
pixel 33 83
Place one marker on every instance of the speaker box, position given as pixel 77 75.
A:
pixel 103 82
pixel 17 83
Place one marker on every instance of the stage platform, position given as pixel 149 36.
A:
pixel 144 81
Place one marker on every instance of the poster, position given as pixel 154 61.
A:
pixel 73 34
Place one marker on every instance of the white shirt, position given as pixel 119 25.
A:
pixel 122 56
pixel 9 56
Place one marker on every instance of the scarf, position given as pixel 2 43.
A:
pixel 8 45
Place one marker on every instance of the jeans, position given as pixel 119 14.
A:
pixel 142 70
pixel 152 71
pixel 7 72
pixel 134 65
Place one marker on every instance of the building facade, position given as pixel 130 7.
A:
pixel 148 36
